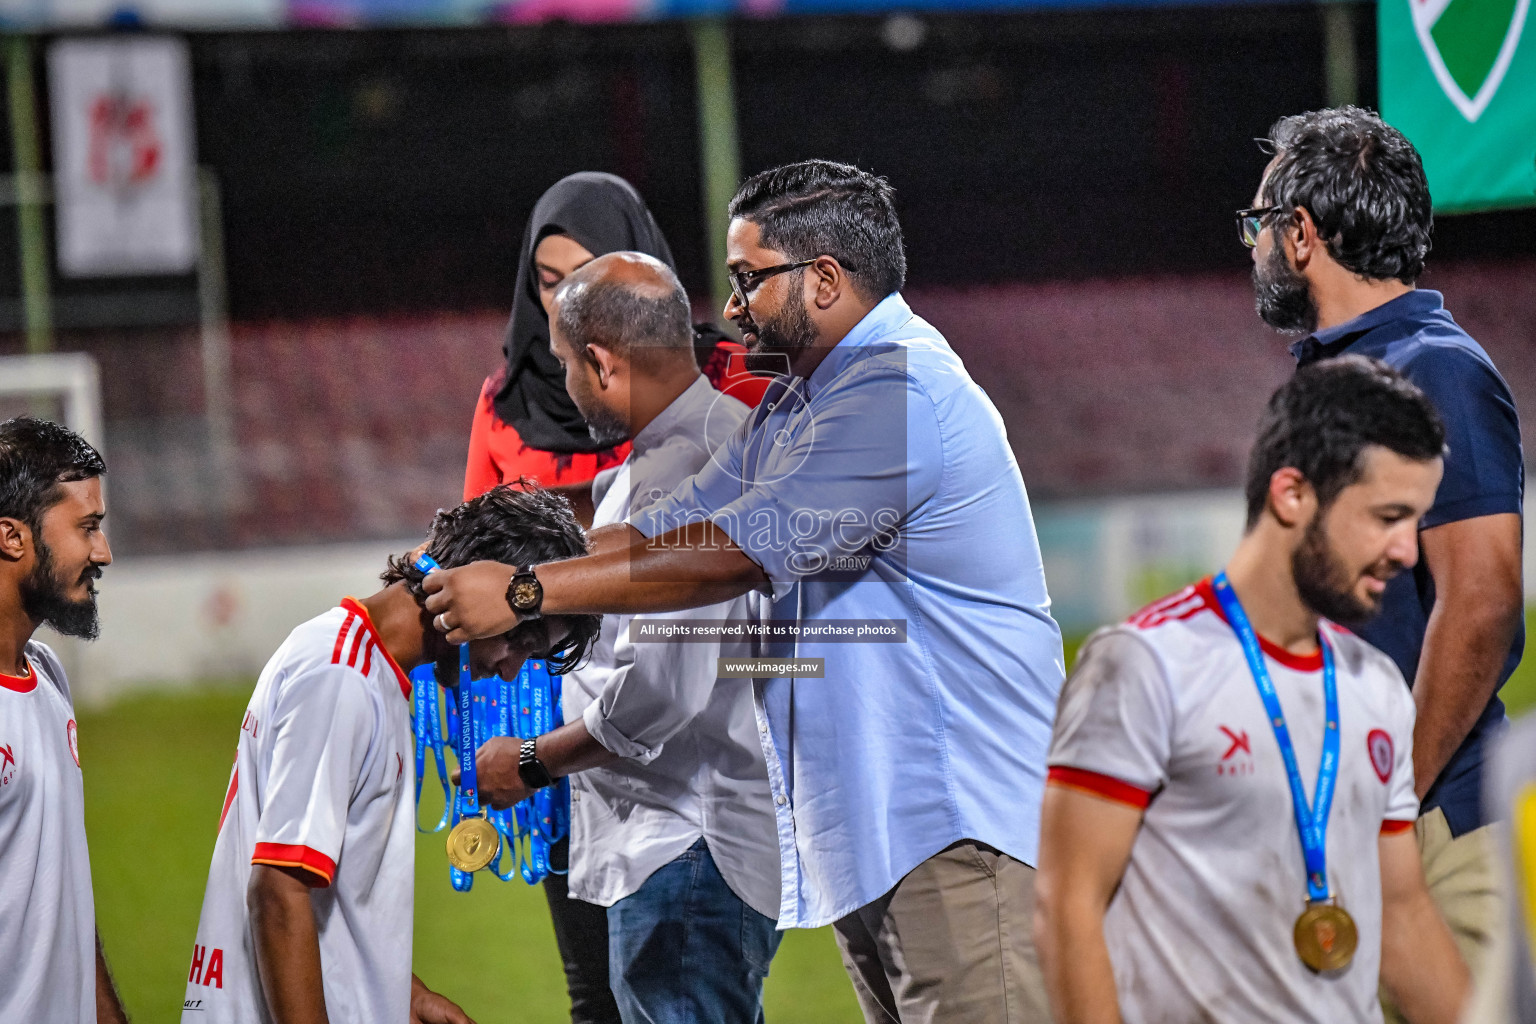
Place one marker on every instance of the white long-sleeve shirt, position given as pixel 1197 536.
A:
pixel 694 762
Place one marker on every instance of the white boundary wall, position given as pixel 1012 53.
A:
pixel 175 621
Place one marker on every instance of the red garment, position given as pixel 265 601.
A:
pixel 497 454
pixel 726 370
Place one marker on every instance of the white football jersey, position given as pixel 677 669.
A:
pixel 47 916
pixel 1163 713
pixel 324 780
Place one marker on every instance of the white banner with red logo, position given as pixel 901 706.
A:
pixel 124 168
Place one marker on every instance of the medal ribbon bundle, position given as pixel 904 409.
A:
pixel 488 708
pixel 1325 935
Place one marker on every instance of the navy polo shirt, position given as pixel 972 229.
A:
pixel 1484 475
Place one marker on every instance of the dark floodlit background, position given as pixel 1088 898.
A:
pixel 1066 178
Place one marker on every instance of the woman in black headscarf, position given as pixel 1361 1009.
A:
pixel 525 424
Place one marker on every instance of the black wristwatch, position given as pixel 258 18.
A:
pixel 531 770
pixel 525 594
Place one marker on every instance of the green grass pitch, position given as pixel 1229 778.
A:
pixel 156 768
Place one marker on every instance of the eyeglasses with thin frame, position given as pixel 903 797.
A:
pixel 745 282
pixel 1251 221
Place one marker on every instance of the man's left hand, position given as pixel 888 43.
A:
pixel 496 767
pixel 427 1007
pixel 470 602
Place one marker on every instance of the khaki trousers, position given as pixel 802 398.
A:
pixel 1463 877
pixel 952 943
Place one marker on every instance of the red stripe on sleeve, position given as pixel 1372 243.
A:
pixel 1392 828
pixel 357 641
pixel 341 638
pixel 367 656
pixel 313 861
pixel 376 644
pixel 229 797
pixel 1100 785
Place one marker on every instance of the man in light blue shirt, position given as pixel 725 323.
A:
pixel 874 492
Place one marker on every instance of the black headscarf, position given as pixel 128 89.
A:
pixel 605 214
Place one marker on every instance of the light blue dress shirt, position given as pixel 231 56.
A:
pixel 882 487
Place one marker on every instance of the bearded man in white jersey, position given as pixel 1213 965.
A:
pixel 52 551
pixel 1227 830
pixel 308 913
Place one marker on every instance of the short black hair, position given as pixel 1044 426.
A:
pixel 1321 421
pixel 821 208
pixel 1363 183
pixel 519 527
pixel 634 321
pixel 36 457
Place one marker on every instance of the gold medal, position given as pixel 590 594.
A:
pixel 1325 937
pixel 472 844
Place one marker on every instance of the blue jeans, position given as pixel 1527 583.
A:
pixel 684 949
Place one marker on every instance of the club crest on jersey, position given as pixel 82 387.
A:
pixel 1238 760
pixel 7 765
pixel 1379 743
pixel 74 742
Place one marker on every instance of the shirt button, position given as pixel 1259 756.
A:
pixel 780 800
pixel 762 727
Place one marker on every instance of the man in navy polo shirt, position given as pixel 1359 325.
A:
pixel 1339 232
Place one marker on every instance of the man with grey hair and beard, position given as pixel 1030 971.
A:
pixel 672 825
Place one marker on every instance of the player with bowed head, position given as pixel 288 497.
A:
pixel 52 550
pixel 308 911
pixel 1227 821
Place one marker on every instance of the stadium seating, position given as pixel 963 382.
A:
pixel 357 428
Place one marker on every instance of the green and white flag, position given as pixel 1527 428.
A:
pixel 1458 77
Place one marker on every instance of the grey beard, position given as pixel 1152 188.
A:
pixel 607 430
pixel 1281 295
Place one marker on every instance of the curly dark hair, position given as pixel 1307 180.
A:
pixel 1321 421
pixel 1363 183
pixel 523 527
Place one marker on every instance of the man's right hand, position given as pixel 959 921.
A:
pixel 470 602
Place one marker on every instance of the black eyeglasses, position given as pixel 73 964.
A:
pixel 745 282
pixel 1251 221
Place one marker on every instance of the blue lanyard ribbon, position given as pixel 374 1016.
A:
pixel 1312 824
pixel 468 803
pixel 469 736
pixel 429 725
pixel 428 722
pixel 528 707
